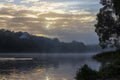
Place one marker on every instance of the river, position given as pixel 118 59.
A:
pixel 36 66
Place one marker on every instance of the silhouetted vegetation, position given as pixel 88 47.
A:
pixel 110 71
pixel 108 30
pixel 107 72
pixel 108 26
pixel 116 4
pixel 85 73
pixel 111 56
pixel 110 64
pixel 24 42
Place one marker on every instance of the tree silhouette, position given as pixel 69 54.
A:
pixel 116 4
pixel 108 25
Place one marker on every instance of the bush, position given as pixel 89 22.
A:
pixel 110 71
pixel 85 73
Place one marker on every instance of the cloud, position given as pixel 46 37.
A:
pixel 9 0
pixel 28 1
pixel 44 23
pixel 55 19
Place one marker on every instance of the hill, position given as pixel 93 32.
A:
pixel 11 41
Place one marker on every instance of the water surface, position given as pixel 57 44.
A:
pixel 43 66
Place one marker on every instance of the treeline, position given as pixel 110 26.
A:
pixel 11 41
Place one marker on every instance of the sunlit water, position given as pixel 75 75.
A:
pixel 43 66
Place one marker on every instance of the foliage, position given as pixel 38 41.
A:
pixel 108 26
pixel 108 72
pixel 117 7
pixel 85 73
pixel 111 71
pixel 111 56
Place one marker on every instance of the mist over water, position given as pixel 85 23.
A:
pixel 44 66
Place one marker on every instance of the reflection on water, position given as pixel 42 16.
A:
pixel 43 67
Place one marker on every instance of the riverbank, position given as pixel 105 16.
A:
pixel 111 56
pixel 109 70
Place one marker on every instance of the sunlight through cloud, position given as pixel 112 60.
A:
pixel 49 17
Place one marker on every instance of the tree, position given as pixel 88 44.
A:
pixel 108 25
pixel 117 7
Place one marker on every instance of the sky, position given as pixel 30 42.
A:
pixel 67 20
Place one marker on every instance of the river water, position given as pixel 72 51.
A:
pixel 43 66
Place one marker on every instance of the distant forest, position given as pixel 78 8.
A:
pixel 11 41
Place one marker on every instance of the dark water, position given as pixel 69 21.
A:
pixel 43 66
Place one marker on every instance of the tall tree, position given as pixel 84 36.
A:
pixel 108 25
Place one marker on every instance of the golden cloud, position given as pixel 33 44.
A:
pixel 45 22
